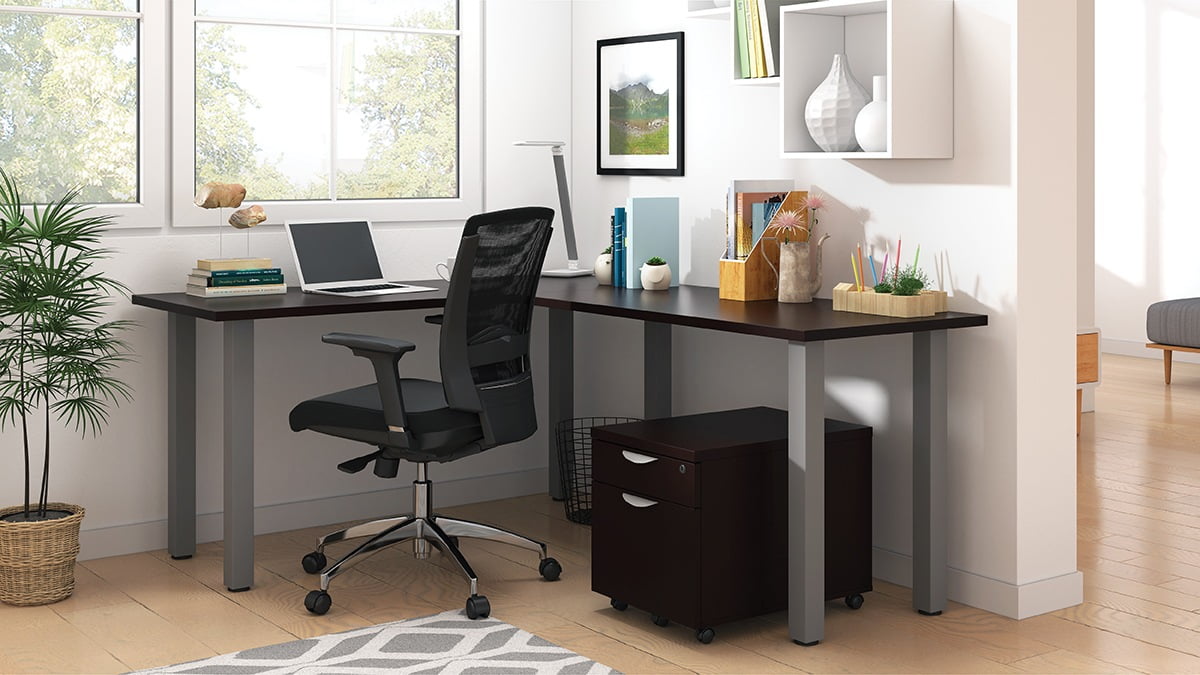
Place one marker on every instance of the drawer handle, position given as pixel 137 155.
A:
pixel 636 501
pixel 638 458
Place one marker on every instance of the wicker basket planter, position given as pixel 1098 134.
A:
pixel 37 559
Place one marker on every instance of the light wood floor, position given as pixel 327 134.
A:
pixel 1139 549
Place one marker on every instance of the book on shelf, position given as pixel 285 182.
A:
pixel 744 226
pixel 740 33
pixel 239 280
pixel 222 264
pixel 619 247
pixel 215 274
pixel 232 291
pixel 756 53
pixel 768 38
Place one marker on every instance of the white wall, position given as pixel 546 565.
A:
pixel 120 478
pixel 1011 435
pixel 1147 144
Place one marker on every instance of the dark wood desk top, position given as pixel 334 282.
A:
pixel 696 306
pixel 700 307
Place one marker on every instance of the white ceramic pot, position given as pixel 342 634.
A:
pixel 603 269
pixel 870 129
pixel 656 277
pixel 833 107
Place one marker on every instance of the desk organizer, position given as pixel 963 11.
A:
pixel 867 301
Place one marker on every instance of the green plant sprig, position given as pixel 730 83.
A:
pixel 656 261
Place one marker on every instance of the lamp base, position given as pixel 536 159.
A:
pixel 567 273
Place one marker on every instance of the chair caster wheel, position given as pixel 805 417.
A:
pixel 705 635
pixel 619 605
pixel 314 562
pixel 854 601
pixel 660 620
pixel 549 569
pixel 478 607
pixel 317 602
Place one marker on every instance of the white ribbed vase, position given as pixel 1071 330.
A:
pixel 870 129
pixel 833 107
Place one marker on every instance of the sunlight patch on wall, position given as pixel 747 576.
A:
pixel 1178 146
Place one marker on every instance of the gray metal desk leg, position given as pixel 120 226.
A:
pixel 806 492
pixel 239 455
pixel 562 386
pixel 657 370
pixel 929 471
pixel 181 435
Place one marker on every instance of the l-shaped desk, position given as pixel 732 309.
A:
pixel 806 327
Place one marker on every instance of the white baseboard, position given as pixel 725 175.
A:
pixel 1140 350
pixel 103 542
pixel 1011 600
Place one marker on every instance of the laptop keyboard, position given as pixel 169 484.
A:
pixel 369 287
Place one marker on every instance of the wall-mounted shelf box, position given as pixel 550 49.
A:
pixel 909 41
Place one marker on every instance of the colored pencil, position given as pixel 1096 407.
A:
pixel 854 270
pixel 898 242
pixel 917 256
pixel 861 270
pixel 871 259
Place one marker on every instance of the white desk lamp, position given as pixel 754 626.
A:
pixel 560 172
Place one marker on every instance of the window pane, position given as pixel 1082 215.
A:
pixel 272 10
pixel 262 109
pixel 439 14
pixel 398 116
pixel 69 107
pixel 105 5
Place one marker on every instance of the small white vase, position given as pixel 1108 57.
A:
pixel 656 277
pixel 833 107
pixel 603 269
pixel 870 129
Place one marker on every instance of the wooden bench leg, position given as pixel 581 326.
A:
pixel 1167 365
pixel 1078 410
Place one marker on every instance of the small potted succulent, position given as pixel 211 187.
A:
pixel 603 268
pixel 656 275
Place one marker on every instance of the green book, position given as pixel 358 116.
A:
pixel 743 49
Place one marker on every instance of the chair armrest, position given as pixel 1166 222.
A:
pixel 369 343
pixel 384 355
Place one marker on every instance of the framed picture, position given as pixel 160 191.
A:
pixel 639 121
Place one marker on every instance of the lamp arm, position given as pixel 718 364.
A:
pixel 564 199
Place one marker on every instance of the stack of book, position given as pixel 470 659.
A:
pixel 225 277
pixel 756 34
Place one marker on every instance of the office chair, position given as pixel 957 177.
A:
pixel 485 398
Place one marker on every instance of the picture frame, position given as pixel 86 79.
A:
pixel 639 105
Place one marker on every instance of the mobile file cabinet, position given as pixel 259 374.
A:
pixel 689 515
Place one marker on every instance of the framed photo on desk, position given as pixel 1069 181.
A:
pixel 639 114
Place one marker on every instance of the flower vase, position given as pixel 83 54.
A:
pixel 800 270
pixel 656 277
pixel 603 269
pixel 870 128
pixel 833 107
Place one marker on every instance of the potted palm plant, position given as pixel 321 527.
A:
pixel 58 355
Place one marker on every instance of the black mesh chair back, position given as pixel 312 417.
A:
pixel 485 339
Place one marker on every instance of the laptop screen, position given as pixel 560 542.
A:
pixel 335 251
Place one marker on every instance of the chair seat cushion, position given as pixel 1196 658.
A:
pixel 358 414
pixel 1174 322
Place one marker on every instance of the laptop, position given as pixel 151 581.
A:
pixel 338 257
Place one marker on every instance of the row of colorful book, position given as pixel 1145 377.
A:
pixel 756 38
pixel 226 277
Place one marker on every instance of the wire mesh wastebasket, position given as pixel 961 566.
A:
pixel 573 441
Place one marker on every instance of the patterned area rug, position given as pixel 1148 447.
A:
pixel 442 643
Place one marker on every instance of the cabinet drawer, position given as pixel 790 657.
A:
pixel 646 552
pixel 646 474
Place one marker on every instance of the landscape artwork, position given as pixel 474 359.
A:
pixel 640 105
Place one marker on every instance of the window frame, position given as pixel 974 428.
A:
pixel 151 208
pixel 470 135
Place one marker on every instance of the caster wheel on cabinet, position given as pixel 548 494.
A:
pixel 549 569
pixel 706 635
pixel 478 607
pixel 854 601
pixel 619 605
pixel 317 602
pixel 314 562
pixel 660 620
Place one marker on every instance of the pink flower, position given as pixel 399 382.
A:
pixel 815 202
pixel 789 226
